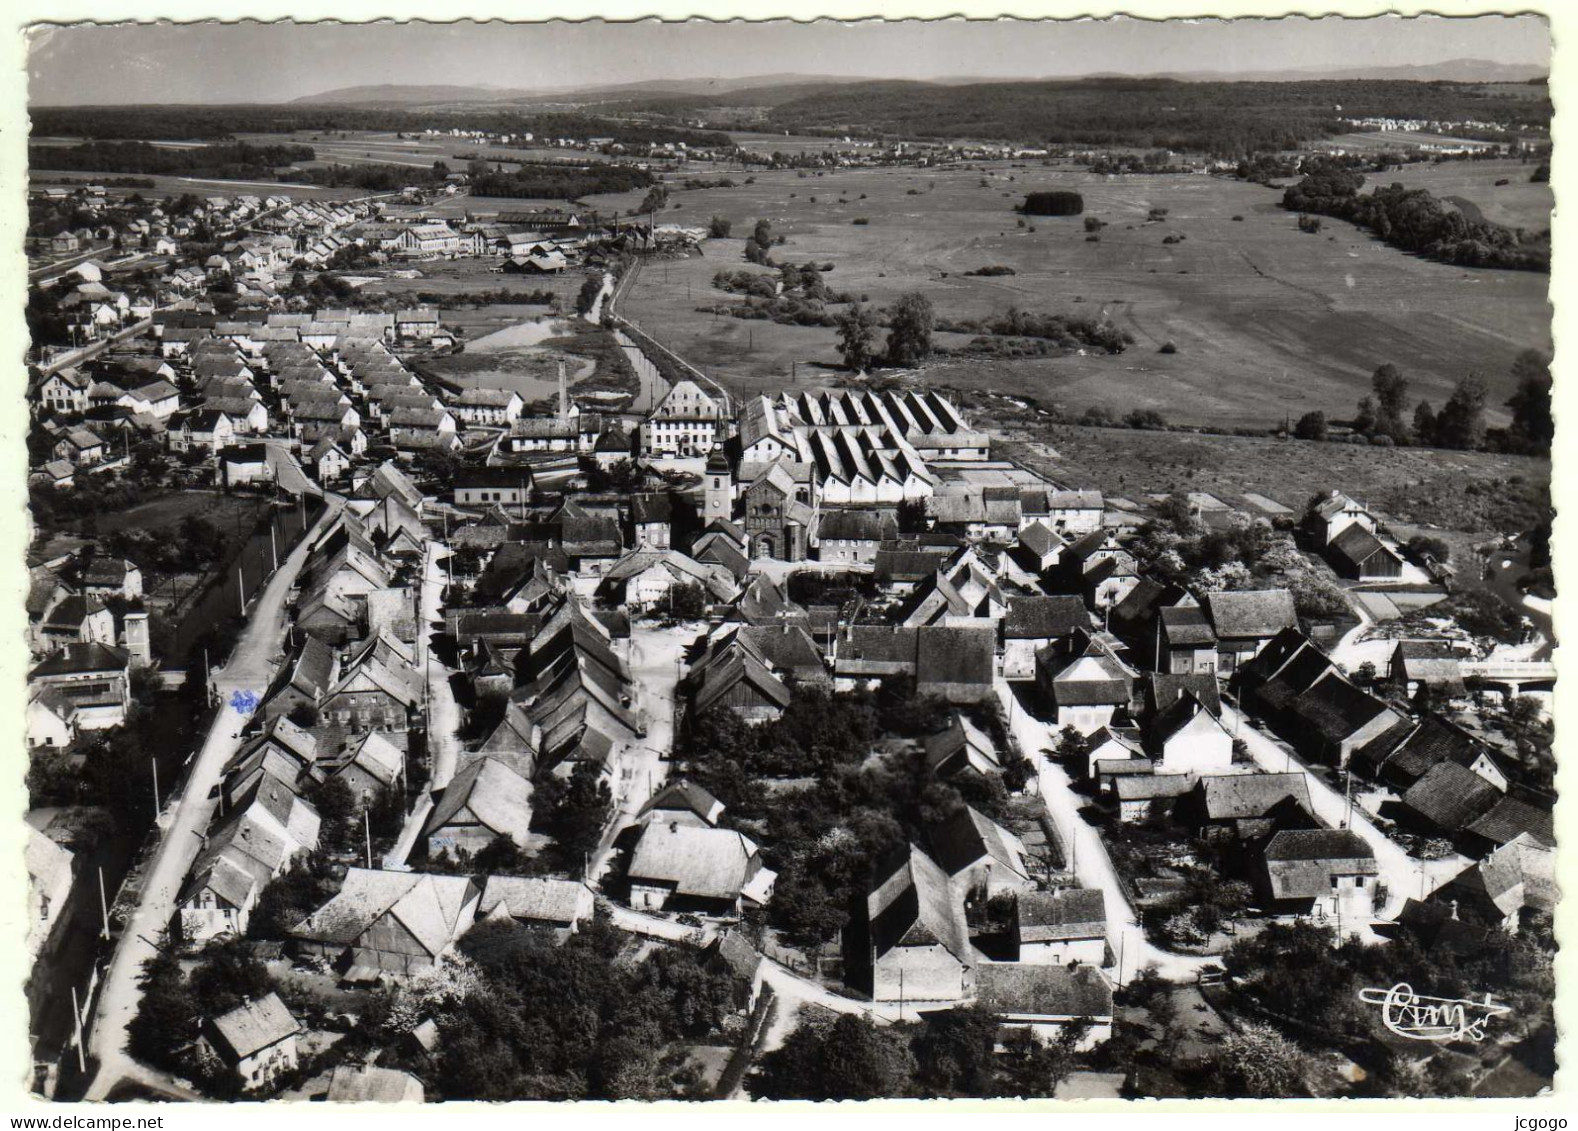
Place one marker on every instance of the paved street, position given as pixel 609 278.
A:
pixel 249 670
pixel 1092 865
pixel 655 658
pixel 443 713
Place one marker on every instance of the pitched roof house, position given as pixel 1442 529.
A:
pixel 910 939
pixel 677 866
pixel 390 922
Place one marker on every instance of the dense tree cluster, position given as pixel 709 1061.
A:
pixel 187 122
pixel 550 181
pixel 1228 118
pixel 1053 202
pixel 1293 972
pixel 520 1018
pixel 1066 330
pixel 1414 220
pixel 953 1054
pixel 239 161
pixel 808 787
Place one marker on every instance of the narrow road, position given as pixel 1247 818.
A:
pixel 443 713
pixel 1405 876
pixel 655 658
pixel 249 670
pixel 1088 854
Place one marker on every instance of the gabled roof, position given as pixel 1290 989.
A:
pixel 969 836
pixel 1044 618
pixel 962 654
pixel 1187 624
pixel 1251 613
pixel 963 736
pixel 687 795
pixel 1319 844
pixel 1510 818
pixel 1432 739
pixel 431 907
pixel 1162 690
pixel 702 862
pixel 1451 796
pixel 735 665
pixel 1358 545
pixel 537 899
pixel 1054 916
pixel 1016 989
pixel 76 658
pixel 1232 797
pixel 377 757
pixel 367 1083
pixel 916 904
pixel 486 793
pixel 253 1026
pixel 849 525
pixel 1335 709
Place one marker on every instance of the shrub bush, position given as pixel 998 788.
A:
pixel 1056 202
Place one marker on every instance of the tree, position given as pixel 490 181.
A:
pixel 954 1053
pixel 1365 419
pixel 336 807
pixel 857 335
pixel 228 975
pixel 1461 423
pixel 719 228
pixel 1532 424
pixel 1256 1061
pixel 1421 546
pixel 1311 426
pixel 847 1059
pixel 1425 423
pixel 687 601
pixel 1391 396
pixel 909 329
pixel 573 812
pixel 499 857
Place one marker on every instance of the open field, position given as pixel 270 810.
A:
pixel 1268 322
pixel 197 186
pixel 1518 204
pixel 1396 140
pixel 1474 492
pixel 469 275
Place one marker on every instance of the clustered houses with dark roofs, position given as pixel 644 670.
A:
pixel 831 539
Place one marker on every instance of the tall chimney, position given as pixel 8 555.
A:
pixel 564 394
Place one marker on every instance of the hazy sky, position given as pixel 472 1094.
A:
pixel 253 62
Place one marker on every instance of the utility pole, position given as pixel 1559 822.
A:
pixel 104 908
pixel 367 831
pixel 76 1022
pixel 273 543
pixel 154 762
pixel 241 591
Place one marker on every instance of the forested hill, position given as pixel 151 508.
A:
pixel 1223 117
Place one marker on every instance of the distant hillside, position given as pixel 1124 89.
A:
pixel 1218 117
pixel 394 94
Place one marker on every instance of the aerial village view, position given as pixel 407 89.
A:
pixel 838 585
